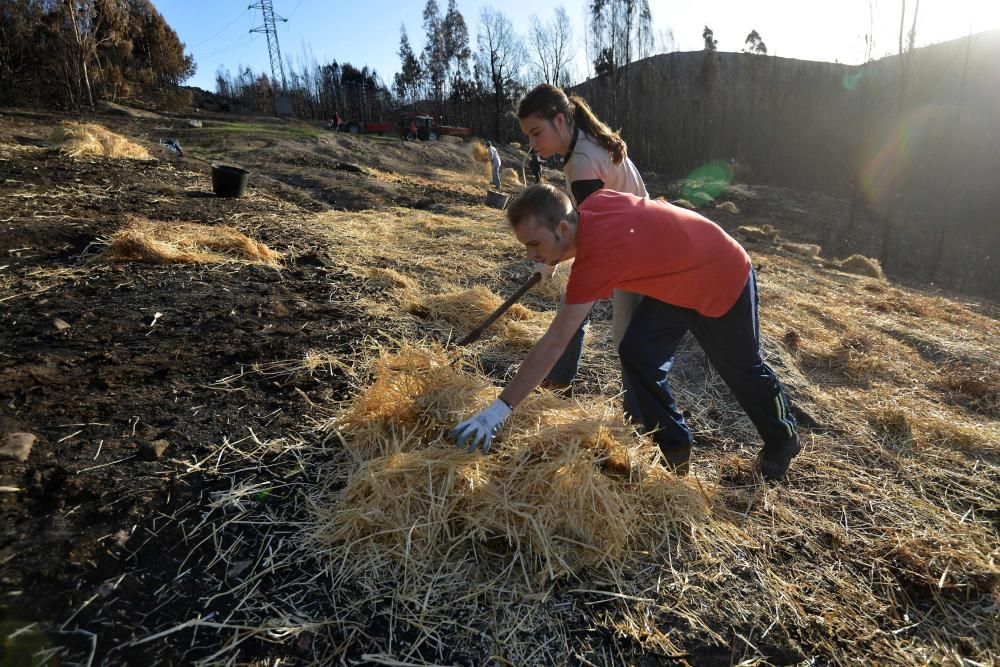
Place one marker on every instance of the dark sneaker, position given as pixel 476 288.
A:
pixel 773 460
pixel 677 459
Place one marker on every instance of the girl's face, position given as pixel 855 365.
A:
pixel 547 137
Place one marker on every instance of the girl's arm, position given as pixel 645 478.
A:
pixel 583 189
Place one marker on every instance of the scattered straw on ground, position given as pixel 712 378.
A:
pixel 164 243
pixel 804 249
pixel 77 139
pixel 866 266
pixel 568 544
pixel 510 177
pixel 444 532
pixel 518 328
pixel 755 233
pixel 572 503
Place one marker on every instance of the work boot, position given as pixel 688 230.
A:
pixel 677 458
pixel 773 460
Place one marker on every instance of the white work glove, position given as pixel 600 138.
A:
pixel 481 428
pixel 545 270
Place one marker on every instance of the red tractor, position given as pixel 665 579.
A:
pixel 430 127
pixel 425 127
pixel 367 127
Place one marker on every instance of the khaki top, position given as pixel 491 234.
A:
pixel 588 160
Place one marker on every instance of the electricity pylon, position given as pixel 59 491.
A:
pixel 269 30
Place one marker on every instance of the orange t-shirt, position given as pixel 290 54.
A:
pixel 657 249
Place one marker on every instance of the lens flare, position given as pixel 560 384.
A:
pixel 707 181
pixel 850 80
pixel 882 175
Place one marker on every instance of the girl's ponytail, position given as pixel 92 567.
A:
pixel 585 119
pixel 547 100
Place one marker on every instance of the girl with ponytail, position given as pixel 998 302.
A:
pixel 592 151
pixel 595 157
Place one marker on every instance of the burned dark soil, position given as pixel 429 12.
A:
pixel 119 371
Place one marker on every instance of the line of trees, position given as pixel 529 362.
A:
pixel 471 80
pixel 72 53
pixel 316 91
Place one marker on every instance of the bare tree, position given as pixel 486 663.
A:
pixel 456 42
pixel 895 212
pixel 551 46
pixel 959 181
pixel 665 41
pixel 95 25
pixel 620 32
pixel 500 58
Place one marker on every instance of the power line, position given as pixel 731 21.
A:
pixel 296 9
pixel 230 25
pixel 239 42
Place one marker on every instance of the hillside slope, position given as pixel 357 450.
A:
pixel 203 431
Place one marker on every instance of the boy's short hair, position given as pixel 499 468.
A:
pixel 545 203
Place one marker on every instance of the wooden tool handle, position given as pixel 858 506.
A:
pixel 474 335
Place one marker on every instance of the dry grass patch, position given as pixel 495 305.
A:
pixel 804 249
pixel 517 328
pixel 144 240
pixel 443 531
pixel 933 563
pixel 859 354
pixel 433 248
pixel 975 385
pixel 75 139
pixel 572 507
pixel 12 151
pixel 391 279
pixel 755 233
pixel 510 178
pixel 865 266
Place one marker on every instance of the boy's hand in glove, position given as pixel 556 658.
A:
pixel 481 428
pixel 545 270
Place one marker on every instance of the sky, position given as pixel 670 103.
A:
pixel 217 32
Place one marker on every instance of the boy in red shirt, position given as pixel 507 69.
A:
pixel 693 277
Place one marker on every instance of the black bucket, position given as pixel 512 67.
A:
pixel 229 181
pixel 496 199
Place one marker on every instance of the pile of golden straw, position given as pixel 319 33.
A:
pixel 518 328
pixel 567 486
pixel 166 243
pixel 77 139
